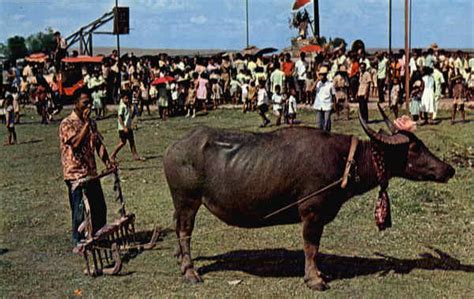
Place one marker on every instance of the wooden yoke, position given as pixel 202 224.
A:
pixel 350 161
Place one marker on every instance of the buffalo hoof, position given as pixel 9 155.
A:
pixel 178 255
pixel 191 276
pixel 316 284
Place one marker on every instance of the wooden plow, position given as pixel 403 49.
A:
pixel 104 250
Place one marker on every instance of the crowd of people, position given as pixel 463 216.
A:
pixel 182 86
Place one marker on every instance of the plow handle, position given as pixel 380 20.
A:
pixel 99 176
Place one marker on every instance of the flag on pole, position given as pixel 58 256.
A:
pixel 300 4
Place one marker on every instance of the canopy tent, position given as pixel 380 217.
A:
pixel 83 59
pixel 37 57
pixel 311 49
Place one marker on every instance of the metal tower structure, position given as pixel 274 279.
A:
pixel 83 35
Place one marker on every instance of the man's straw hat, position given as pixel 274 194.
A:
pixel 323 70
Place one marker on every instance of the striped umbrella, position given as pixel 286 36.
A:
pixel 300 4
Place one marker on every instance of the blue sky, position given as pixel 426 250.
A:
pixel 221 23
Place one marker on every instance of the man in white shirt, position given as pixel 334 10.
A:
pixel 381 75
pixel 429 59
pixel 363 91
pixel 292 108
pixel 439 83
pixel 341 59
pixel 262 104
pixel 300 69
pixel 324 102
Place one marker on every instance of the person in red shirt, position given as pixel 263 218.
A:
pixel 354 75
pixel 288 67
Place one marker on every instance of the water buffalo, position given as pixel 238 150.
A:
pixel 242 177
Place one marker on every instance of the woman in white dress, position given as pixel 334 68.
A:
pixel 427 106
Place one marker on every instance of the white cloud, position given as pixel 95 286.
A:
pixel 17 17
pixel 150 5
pixel 198 19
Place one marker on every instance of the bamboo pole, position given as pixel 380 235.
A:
pixel 247 20
pixel 316 18
pixel 407 56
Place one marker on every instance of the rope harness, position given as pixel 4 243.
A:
pixel 343 180
pixel 382 214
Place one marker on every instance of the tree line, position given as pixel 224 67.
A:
pixel 18 46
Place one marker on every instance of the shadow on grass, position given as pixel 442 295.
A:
pixel 150 118
pixel 138 168
pixel 152 157
pixel 32 141
pixel 290 263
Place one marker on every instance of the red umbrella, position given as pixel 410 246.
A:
pixel 300 3
pixel 162 80
pixel 83 59
pixel 311 49
pixel 37 57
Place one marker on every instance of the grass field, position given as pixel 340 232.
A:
pixel 428 252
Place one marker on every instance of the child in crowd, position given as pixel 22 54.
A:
pixel 395 96
pixel 103 98
pixel 415 101
pixel 310 87
pixel 459 98
pixel 136 101
pixel 16 104
pixel 373 76
pixel 470 85
pixel 125 131
pixel 174 97
pixel 292 107
pixel 262 104
pixel 97 102
pixel 163 101
pixel 202 88
pixel 245 98
pixel 10 120
pixel 181 90
pixel 277 102
pixel 191 100
pixel 252 95
pixel 216 93
pixel 144 97
pixel 153 94
pixel 341 86
pixel 234 90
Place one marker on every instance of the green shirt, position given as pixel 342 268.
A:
pixel 471 64
pixel 126 115
pixel 277 78
pixel 439 80
pixel 242 78
pixel 382 69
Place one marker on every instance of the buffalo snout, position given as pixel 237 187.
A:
pixel 448 173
